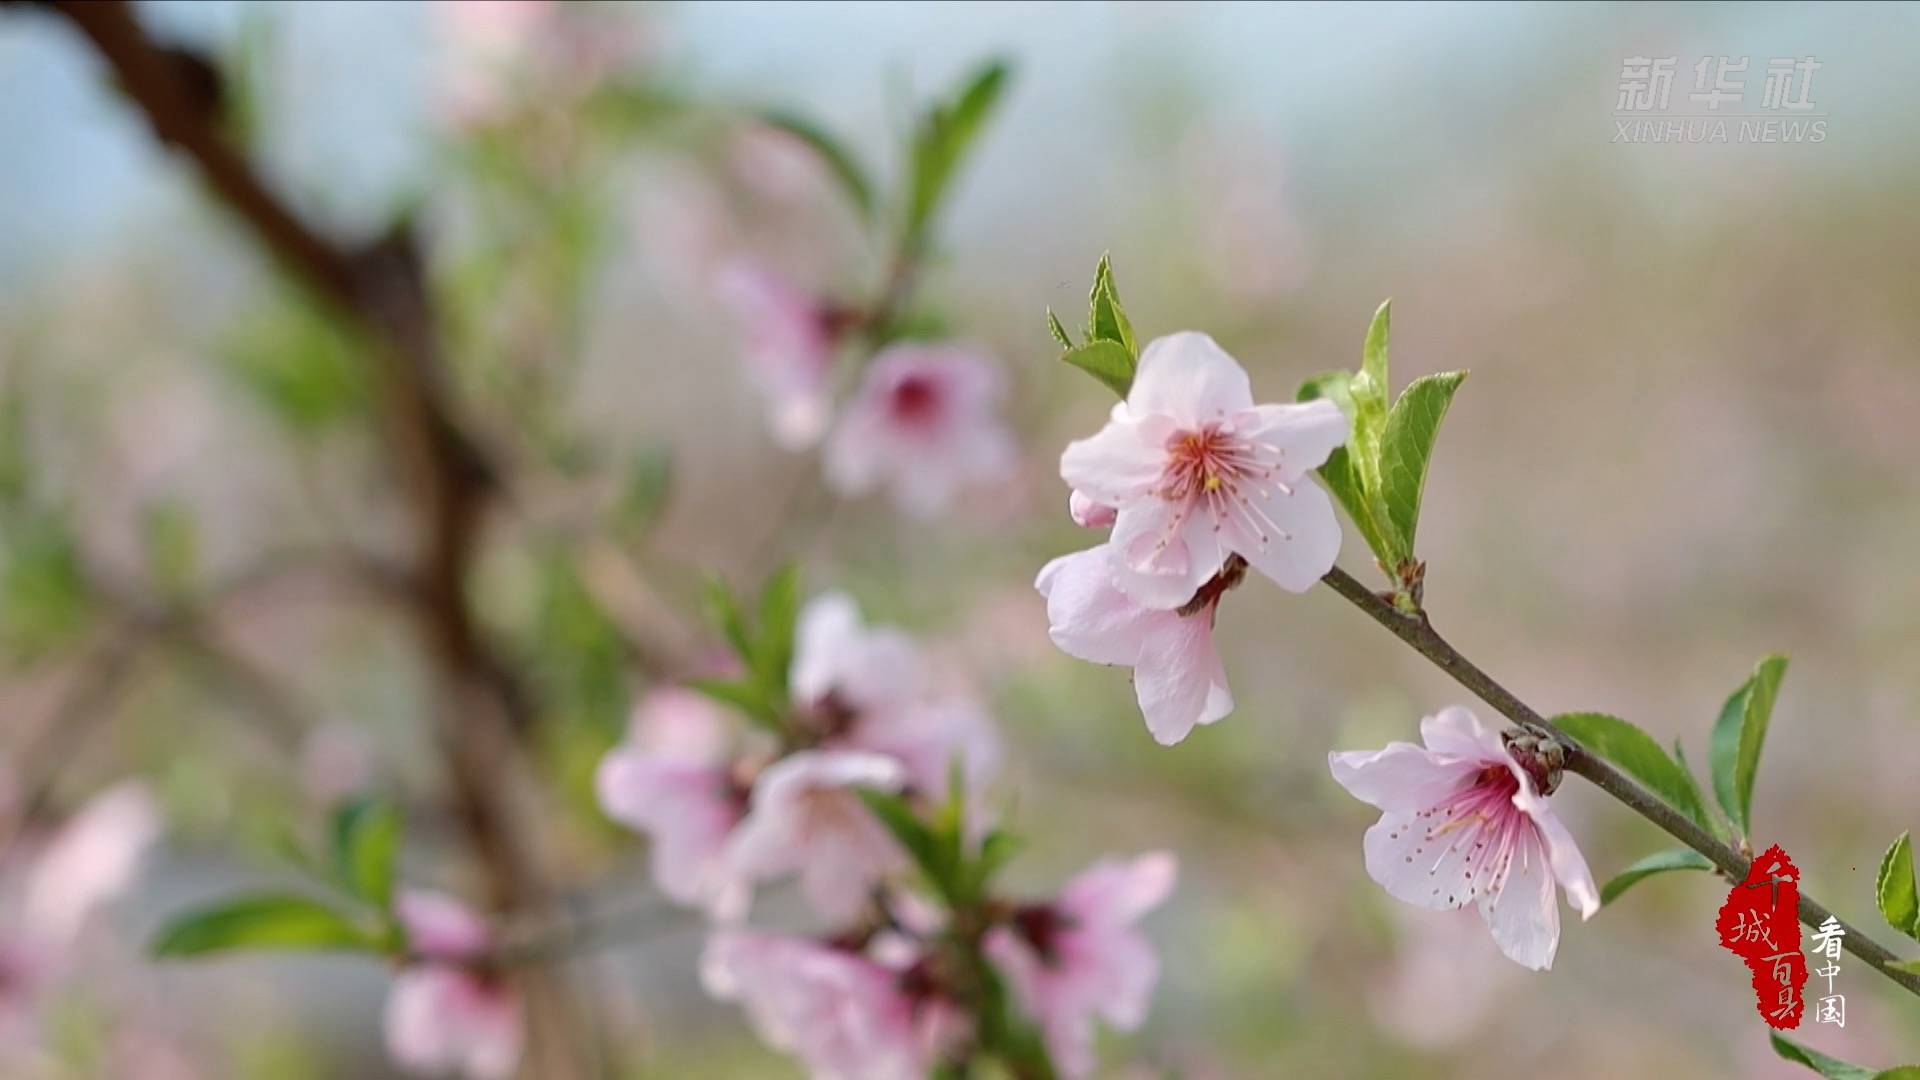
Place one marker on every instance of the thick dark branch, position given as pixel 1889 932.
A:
pixel 1418 631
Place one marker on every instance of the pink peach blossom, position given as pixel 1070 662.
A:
pixel 805 818
pixel 442 1016
pixel 1081 956
pixel 841 664
pixel 790 346
pixel 1196 472
pixel 1464 823
pixel 673 780
pixel 845 1016
pixel 1089 514
pixel 925 426
pixel 1177 675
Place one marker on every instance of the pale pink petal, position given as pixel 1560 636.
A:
pixel 1402 778
pixel 1458 733
pixel 1122 462
pixel 1418 868
pixel 440 926
pixel 93 857
pixel 1291 538
pixel 924 423
pixel 841 1014
pixel 930 738
pixel 1523 916
pixel 1090 618
pixel 1117 892
pixel 835 654
pixel 805 818
pixel 1189 377
pixel 1304 433
pixel 1179 680
pixel 1089 514
pixel 1563 855
pixel 1163 553
pixel 687 810
pixel 681 724
pixel 444 1020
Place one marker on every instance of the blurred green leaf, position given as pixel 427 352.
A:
pixel 14 476
pixel 1658 863
pixel 302 365
pixel 1893 888
pixel 1830 1067
pixel 366 848
pixel 1406 448
pixel 779 614
pixel 1738 737
pixel 1342 478
pixel 726 614
pixel 45 600
pixel 578 652
pixel 839 160
pixel 1107 361
pixel 945 133
pixel 919 841
pixel 267 921
pixel 643 493
pixel 743 695
pixel 1639 756
pixel 172 541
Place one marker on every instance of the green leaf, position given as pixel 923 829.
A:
pixel 1342 478
pixel 945 134
pixel 1657 863
pixel 366 847
pixel 1059 332
pixel 1694 793
pixel 1639 756
pixel 1407 447
pixel 779 612
pixel 919 841
pixel 744 695
pixel 172 542
pixel 46 601
pixel 1911 967
pixel 1830 1067
pixel 301 364
pixel 1899 1072
pixel 643 493
pixel 839 160
pixel 1106 318
pixel 1108 361
pixel 1738 736
pixel 266 921
pixel 1368 390
pixel 1894 890
pixel 732 621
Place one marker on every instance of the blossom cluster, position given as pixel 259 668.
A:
pixel 904 975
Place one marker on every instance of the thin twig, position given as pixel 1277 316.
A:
pixel 1418 631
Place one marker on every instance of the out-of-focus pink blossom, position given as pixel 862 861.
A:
pixel 486 43
pixel 925 426
pixel 841 664
pixel 805 818
pixel 1082 957
pixel 790 344
pixel 1463 822
pixel 1177 675
pixel 672 779
pixel 1196 472
pixel 442 1016
pixel 48 890
pixel 845 1016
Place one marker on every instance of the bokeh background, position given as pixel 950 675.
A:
pixel 1688 439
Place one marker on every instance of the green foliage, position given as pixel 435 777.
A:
pixel 171 537
pixel 366 849
pixel 1380 476
pixel 1110 352
pixel 1639 756
pixel 945 133
pixel 578 651
pixel 764 643
pixel 846 168
pixel 1660 862
pixel 264 921
pixel 305 368
pixel 1833 1068
pixel 45 599
pixel 1738 737
pixel 937 843
pixel 644 492
pixel 1893 888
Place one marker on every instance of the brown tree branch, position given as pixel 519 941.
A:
pixel 448 479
